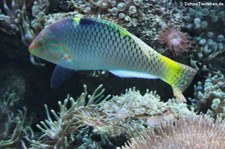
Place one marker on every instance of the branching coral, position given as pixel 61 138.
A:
pixel 15 19
pixel 61 131
pixel 14 133
pixel 209 96
pixel 188 132
pixel 8 100
pixel 13 130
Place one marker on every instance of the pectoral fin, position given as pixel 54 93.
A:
pixel 59 75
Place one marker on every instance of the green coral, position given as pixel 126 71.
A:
pixel 209 96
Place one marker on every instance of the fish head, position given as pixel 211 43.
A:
pixel 48 46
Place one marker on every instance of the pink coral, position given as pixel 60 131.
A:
pixel 175 40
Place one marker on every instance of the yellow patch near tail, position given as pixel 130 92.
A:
pixel 175 75
pixel 171 69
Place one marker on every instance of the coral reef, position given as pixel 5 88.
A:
pixel 204 23
pixel 123 115
pixel 209 96
pixel 188 132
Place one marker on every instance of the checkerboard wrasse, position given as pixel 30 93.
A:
pixel 94 44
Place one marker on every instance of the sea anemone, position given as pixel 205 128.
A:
pixel 175 40
pixel 194 131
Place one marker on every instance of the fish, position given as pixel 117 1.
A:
pixel 76 44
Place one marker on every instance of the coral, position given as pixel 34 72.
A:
pixel 15 133
pixel 204 23
pixel 188 132
pixel 8 100
pixel 175 40
pixel 13 130
pixel 12 93
pixel 51 18
pixel 209 96
pixel 132 105
pixel 39 11
pixel 126 10
pixel 14 126
pixel 15 19
pixel 94 124
pixel 66 126
pixel 131 112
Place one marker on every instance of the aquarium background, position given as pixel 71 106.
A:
pixel 138 110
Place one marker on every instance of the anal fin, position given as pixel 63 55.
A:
pixel 132 74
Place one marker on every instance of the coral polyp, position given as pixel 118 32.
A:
pixel 174 40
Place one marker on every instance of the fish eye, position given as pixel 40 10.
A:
pixel 41 44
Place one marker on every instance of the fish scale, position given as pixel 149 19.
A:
pixel 115 51
pixel 93 44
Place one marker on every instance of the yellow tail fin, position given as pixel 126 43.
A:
pixel 179 76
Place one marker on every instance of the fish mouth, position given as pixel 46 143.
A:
pixel 32 48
